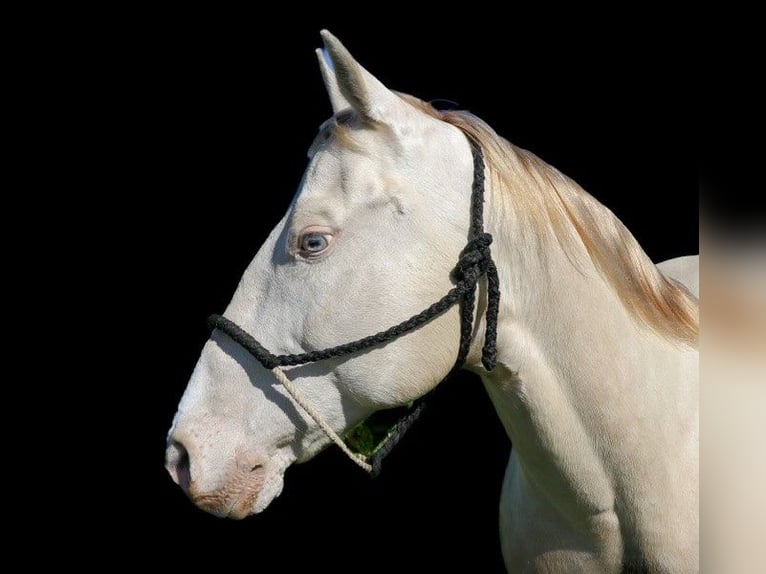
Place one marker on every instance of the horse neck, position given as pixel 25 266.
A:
pixel 574 365
pixel 556 306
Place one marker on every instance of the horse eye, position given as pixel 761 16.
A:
pixel 314 243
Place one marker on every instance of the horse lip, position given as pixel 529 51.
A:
pixel 236 499
pixel 240 508
pixel 243 501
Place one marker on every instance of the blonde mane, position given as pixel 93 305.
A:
pixel 549 200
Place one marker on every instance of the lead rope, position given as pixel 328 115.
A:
pixel 306 406
pixel 475 260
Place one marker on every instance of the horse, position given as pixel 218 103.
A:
pixel 595 378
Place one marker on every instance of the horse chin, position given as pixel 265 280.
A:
pixel 272 488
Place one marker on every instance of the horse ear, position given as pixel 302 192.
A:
pixel 360 89
pixel 337 100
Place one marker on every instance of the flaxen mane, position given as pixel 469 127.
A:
pixel 549 199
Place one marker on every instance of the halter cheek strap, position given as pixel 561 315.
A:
pixel 475 261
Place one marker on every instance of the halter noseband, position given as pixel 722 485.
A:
pixel 475 260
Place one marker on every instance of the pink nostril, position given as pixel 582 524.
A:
pixel 177 464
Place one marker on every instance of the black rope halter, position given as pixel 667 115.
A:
pixel 475 261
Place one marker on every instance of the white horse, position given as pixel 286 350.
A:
pixel 597 375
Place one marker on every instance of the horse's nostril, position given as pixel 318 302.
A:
pixel 177 464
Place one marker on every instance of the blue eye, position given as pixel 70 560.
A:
pixel 313 243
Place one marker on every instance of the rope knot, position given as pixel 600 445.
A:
pixel 474 259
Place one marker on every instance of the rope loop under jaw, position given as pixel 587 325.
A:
pixel 474 262
pixel 358 459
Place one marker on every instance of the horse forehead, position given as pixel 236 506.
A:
pixel 333 174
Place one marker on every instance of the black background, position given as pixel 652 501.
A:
pixel 222 112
